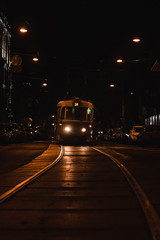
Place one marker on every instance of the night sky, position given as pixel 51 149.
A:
pixel 79 41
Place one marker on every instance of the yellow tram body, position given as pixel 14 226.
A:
pixel 74 120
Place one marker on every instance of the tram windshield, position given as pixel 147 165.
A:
pixel 76 113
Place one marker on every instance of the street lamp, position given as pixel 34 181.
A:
pixel 35 59
pixel 23 30
pixel 119 61
pixel 136 40
pixel 44 84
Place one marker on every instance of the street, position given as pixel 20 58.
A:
pixel 79 121
pixel 84 195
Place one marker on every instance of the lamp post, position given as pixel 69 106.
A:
pixel 135 40
pixel 25 27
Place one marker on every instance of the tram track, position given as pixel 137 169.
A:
pixel 150 214
pixel 149 211
pixel 30 179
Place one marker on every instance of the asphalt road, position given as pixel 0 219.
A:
pixel 143 163
pixel 84 196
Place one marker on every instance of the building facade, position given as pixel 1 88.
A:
pixel 5 72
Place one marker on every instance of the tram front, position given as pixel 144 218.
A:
pixel 75 120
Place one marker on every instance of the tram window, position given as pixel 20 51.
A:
pixel 90 113
pixel 63 113
pixel 58 112
pixel 73 113
pixel 76 113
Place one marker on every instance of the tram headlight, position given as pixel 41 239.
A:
pixel 83 130
pixel 67 129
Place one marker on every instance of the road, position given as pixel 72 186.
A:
pixel 83 196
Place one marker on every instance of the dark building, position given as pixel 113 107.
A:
pixel 5 73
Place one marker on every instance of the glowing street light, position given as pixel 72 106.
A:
pixel 23 30
pixel 112 85
pixel 44 85
pixel 136 40
pixel 35 59
pixel 119 61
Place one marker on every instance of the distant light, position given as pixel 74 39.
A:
pixel 44 84
pixel 100 132
pixel 131 93
pixel 89 111
pixel 67 129
pixel 83 129
pixel 35 59
pixel 119 61
pixel 53 116
pixel 76 104
pixel 112 85
pixel 23 30
pixel 136 40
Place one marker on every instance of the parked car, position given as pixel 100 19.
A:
pixel 150 134
pixel 135 133
pixel 108 134
pixel 17 133
pixel 6 134
pixel 119 134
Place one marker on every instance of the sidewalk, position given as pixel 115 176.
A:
pixel 11 179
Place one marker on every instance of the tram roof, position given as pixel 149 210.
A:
pixel 70 103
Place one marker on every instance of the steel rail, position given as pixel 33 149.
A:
pixel 150 213
pixel 24 183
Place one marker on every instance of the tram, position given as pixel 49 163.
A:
pixel 74 120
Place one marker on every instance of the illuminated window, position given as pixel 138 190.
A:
pixel 5 41
pixel 89 111
pixel 73 113
pixel 146 121
pixel 90 114
pixel 159 119
pixel 155 120
pixel 151 120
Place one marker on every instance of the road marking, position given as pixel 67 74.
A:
pixel 151 215
pixel 24 183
